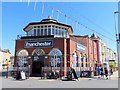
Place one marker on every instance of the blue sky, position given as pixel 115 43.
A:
pixel 95 15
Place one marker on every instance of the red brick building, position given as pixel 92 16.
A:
pixel 49 45
pixel 91 49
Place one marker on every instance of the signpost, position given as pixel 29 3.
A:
pixel 23 75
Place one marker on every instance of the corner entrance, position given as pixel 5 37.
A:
pixel 37 62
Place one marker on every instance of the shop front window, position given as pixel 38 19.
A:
pixel 22 58
pixel 55 58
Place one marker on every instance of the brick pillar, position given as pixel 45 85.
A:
pixel 65 58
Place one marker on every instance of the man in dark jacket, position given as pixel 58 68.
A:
pixel 106 72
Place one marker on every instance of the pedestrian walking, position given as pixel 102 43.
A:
pixel 74 73
pixel 98 71
pixel 111 71
pixel 101 72
pixel 106 73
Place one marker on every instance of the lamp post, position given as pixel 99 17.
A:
pixel 118 43
pixel 7 68
pixel 44 69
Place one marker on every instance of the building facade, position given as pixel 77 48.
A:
pixel 47 46
pixel 50 46
pixel 4 58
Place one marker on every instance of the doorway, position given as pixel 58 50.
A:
pixel 37 67
pixel 37 62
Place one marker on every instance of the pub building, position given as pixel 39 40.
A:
pixel 48 46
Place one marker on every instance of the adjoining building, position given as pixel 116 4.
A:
pixel 106 57
pixel 50 46
pixel 91 52
pixel 4 58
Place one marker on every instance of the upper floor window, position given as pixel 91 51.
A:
pixel 48 30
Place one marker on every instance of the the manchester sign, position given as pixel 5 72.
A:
pixel 38 44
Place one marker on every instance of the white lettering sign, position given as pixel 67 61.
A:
pixel 40 44
pixel 80 47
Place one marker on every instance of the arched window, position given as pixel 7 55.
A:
pixel 38 52
pixel 84 60
pixel 55 57
pixel 38 55
pixel 80 60
pixel 22 58
pixel 74 59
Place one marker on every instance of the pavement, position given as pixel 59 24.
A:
pixel 37 82
pixel 112 77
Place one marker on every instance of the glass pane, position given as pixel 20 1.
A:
pixel 49 31
pixel 41 32
pixel 45 32
pixel 55 31
pixel 60 32
pixel 34 32
pixel 65 33
pixel 38 32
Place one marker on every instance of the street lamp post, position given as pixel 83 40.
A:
pixel 118 43
pixel 7 68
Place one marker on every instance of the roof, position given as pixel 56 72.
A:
pixel 94 36
pixel 79 39
pixel 35 23
pixel 5 50
pixel 48 21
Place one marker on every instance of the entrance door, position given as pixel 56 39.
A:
pixel 37 62
pixel 37 67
